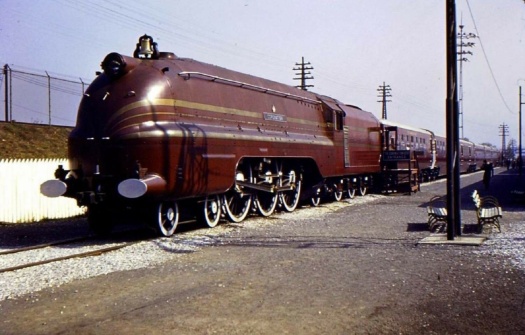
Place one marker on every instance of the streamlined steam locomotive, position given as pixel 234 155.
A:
pixel 167 136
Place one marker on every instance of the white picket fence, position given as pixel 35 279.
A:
pixel 20 198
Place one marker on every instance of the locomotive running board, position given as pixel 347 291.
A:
pixel 265 188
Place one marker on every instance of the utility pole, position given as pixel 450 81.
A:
pixel 503 132
pixel 452 106
pixel 304 72
pixel 520 164
pixel 384 94
pixel 49 95
pixel 462 58
pixel 6 79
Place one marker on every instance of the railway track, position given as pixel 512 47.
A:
pixel 31 256
pixel 96 252
pixel 44 245
pixel 60 250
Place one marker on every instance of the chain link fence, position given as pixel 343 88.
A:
pixel 40 98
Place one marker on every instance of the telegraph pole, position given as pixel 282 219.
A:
pixel 503 132
pixel 384 94
pixel 6 79
pixel 453 199
pixel 520 164
pixel 49 95
pixel 303 69
pixel 462 58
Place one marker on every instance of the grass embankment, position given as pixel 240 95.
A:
pixel 23 140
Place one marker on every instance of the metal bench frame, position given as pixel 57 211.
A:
pixel 488 210
pixel 437 212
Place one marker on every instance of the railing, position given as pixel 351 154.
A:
pixel 20 198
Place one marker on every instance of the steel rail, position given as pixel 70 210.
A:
pixel 44 245
pixel 97 252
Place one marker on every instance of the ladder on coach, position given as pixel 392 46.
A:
pixel 400 170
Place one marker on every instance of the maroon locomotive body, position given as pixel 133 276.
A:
pixel 155 131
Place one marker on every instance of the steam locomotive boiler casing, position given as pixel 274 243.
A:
pixel 154 130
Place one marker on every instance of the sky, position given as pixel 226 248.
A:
pixel 354 46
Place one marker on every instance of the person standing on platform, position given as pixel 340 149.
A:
pixel 487 174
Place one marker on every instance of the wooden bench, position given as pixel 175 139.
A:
pixel 437 212
pixel 488 210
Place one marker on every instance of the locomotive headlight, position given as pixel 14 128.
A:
pixel 113 65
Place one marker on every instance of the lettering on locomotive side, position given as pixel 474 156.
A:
pixel 275 117
pixel 396 155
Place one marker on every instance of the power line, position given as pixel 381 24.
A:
pixel 487 60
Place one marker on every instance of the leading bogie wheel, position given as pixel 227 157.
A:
pixel 210 213
pixel 166 218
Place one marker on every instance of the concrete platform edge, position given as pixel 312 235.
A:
pixel 459 240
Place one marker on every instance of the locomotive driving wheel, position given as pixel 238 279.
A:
pixel 350 192
pixel 338 193
pixel 266 201
pixel 211 211
pixel 362 190
pixel 167 218
pixel 236 202
pixel 236 206
pixel 290 199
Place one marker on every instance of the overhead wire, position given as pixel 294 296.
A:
pixel 42 113
pixel 130 17
pixel 487 59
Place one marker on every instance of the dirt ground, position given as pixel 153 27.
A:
pixel 338 269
